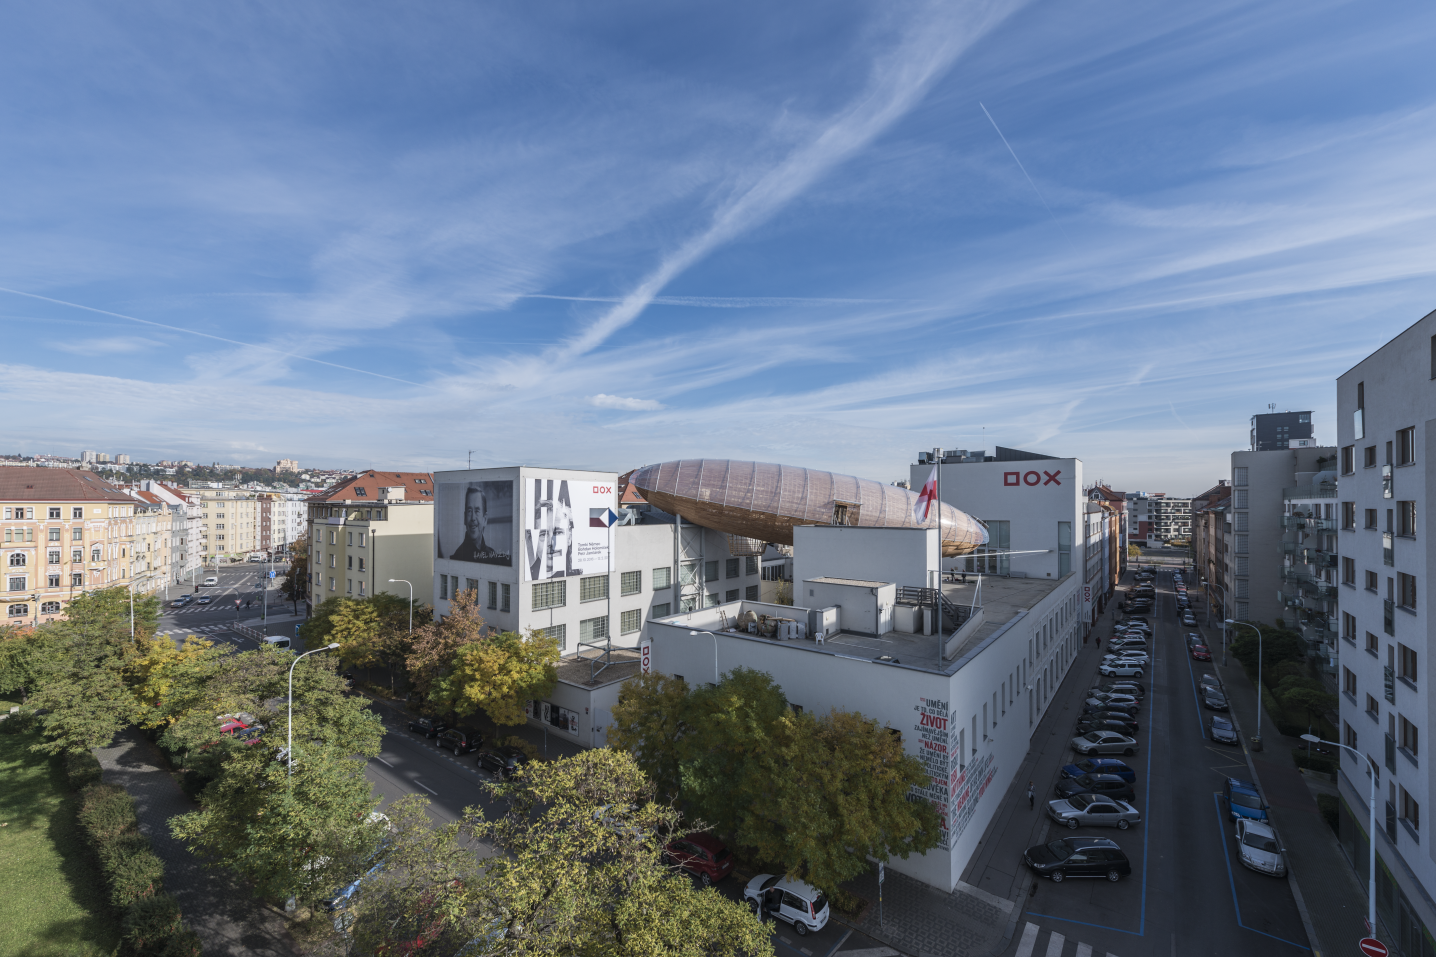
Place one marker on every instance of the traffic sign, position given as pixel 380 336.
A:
pixel 1372 947
pixel 881 871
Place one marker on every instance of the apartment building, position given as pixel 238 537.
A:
pixel 187 553
pixel 229 523
pixel 1211 545
pixel 1386 431
pixel 368 529
pixel 283 517
pixel 62 532
pixel 154 542
pixel 1309 571
pixel 1272 431
pixel 1117 502
pixel 1155 517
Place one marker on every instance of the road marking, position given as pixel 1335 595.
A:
pixel 1231 880
pixel 1028 942
pixel 427 788
pixel 869 951
pixel 846 934
pixel 1054 944
pixel 1084 950
pixel 382 761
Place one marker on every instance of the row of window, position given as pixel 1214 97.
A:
pixel 1400 451
pixel 27 512
pixel 46 608
pixel 17 582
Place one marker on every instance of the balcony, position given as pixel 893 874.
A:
pixel 1291 522
pixel 1295 574
pixel 1291 548
pixel 1320 559
pixel 1300 492
pixel 1388 678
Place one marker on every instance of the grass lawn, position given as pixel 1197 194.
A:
pixel 52 898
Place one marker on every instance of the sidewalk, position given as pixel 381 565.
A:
pixel 227 919
pixel 1331 897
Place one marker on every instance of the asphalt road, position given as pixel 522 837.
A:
pixel 209 620
pixel 1187 894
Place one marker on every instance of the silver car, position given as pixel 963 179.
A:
pixel 1258 848
pixel 1140 657
pixel 1124 669
pixel 1104 742
pixel 1093 809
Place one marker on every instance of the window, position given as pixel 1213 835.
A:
pixel 710 571
pixel 1373 709
pixel 1239 476
pixel 558 633
pixel 361 567
pixel 54 556
pixel 95 554
pixel 1348 682
pixel 77 512
pixel 54 535
pixel 350 588
pixel 361 539
pixel 593 629
pixel 731 568
pixel 470 584
pixel 1371 643
pixel 54 511
pixel 1368 457
pixel 444 587
pixel 661 610
pixel 17 559
pixel 710 600
pixel 49 608
pixel 630 583
pixel 1406 446
pixel 1349 734
pixel 1409 737
pixel 331 584
pixel 52 581
pixel 504 597
pixel 1406 590
pixel 549 594
pixel 1348 514
pixel 662 578
pixel 630 621
pixel 751 565
pixel 730 595
pixel 592 589
pixel 331 560
pixel 77 555
pixel 1348 627
pixel 1406 519
pixel 1406 662
pixel 688 573
pixel 751 593
pixel 349 561
pixel 1410 811
pixel 1348 460
pixel 17 611
pixel 1370 518
pixel 493 595
pixel 77 579
pixel 219 527
pixel 1348 571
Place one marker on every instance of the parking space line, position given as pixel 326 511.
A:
pixel 1084 950
pixel 1232 881
pixel 841 940
pixel 426 787
pixel 382 761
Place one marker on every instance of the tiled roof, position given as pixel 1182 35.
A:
pixel 418 487
pixel 56 485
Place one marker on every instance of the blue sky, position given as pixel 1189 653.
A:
pixel 603 235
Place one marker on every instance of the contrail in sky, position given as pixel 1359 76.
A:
pixel 1018 161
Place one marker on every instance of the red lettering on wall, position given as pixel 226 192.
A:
pixel 1031 478
pixel 929 721
pixel 1052 477
pixel 1011 478
pixel 602 489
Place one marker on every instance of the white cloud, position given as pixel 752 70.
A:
pixel 628 405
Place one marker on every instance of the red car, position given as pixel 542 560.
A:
pixel 1201 653
pixel 701 855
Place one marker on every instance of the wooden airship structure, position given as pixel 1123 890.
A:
pixel 759 502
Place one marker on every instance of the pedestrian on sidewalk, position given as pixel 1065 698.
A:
pixel 1099 642
pixel 1031 796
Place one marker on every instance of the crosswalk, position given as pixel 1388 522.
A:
pixel 1056 944
pixel 210 629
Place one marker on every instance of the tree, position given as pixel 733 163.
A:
pixel 497 675
pixel 648 722
pixel 22 655
pixel 296 579
pixel 435 646
pixel 372 631
pixel 1277 645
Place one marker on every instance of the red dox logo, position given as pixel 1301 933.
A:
pixel 1013 479
pixel 603 490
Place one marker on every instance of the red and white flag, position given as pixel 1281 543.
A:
pixel 926 499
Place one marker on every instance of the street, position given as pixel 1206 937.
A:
pixel 211 620
pixel 1187 893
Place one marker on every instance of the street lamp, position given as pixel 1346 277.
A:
pixel 710 634
pixel 289 745
pixel 411 603
pixel 1256 741
pixel 1370 831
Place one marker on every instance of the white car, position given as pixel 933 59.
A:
pixel 1104 742
pixel 798 903
pixel 1123 669
pixel 1258 848
pixel 211 580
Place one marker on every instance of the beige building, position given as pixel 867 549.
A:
pixel 371 528
pixel 229 522
pixel 62 532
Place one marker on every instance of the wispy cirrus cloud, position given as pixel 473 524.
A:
pixel 602 401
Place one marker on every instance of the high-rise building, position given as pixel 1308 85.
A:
pixel 87 456
pixel 1271 431
pixel 122 460
pixel 1386 420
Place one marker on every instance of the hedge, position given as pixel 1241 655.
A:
pixel 1313 762
pixel 1330 808
pixel 82 769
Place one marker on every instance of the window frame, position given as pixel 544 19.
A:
pixel 630 583
pixel 550 588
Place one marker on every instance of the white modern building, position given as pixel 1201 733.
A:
pixel 965 679
pixel 1386 431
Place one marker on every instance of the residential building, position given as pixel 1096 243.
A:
pixel 1254 583
pixel 122 460
pixel 1273 431
pixel 153 542
pixel 64 532
pixel 187 515
pixel 1309 589
pixel 1211 545
pixel 1156 518
pixel 1118 502
pixel 626 566
pixel 229 523
pixel 371 528
pixel 88 456
pixel 287 465
pixel 1386 420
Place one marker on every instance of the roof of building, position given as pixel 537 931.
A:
pixel 364 487
pixel 588 670
pixel 56 485
pixel 848 581
pixel 1107 494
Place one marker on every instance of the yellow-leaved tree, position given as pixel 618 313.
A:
pixel 498 674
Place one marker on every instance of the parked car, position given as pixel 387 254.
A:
pixel 1193 638
pixel 1244 800
pixel 1106 785
pixel 1214 700
pixel 702 855
pixel 1209 681
pixel 1128 654
pixel 1125 644
pixel 1200 653
pixel 502 762
pixel 1094 705
pixel 1093 810
pixel 1100 766
pixel 1127 686
pixel 1106 721
pixel 1189 620
pixel 1258 848
pixel 1104 742
pixel 204 600
pixel 1122 668
pixel 459 741
pixel 1223 731
pixel 798 903
pixel 428 727
pixel 1078 857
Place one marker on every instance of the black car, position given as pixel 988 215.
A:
pixel 428 727
pixel 502 762
pixel 1078 857
pixel 1107 785
pixel 1223 731
pixel 1214 700
pixel 1127 721
pixel 460 741
pixel 1108 723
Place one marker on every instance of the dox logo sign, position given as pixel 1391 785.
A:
pixel 1032 478
pixel 603 490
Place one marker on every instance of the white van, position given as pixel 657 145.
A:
pixel 211 580
pixel 278 642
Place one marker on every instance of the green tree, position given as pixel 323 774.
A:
pixel 497 675
pixel 433 653
pixel 296 579
pixel 648 722
pixel 372 631
pixel 22 659
pixel 1278 645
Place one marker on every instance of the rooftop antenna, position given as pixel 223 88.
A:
pixel 471 458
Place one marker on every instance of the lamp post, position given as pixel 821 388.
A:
pixel 710 634
pixel 411 602
pixel 1370 831
pixel 1256 741
pixel 289 743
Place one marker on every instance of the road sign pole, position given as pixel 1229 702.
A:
pixel 881 875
